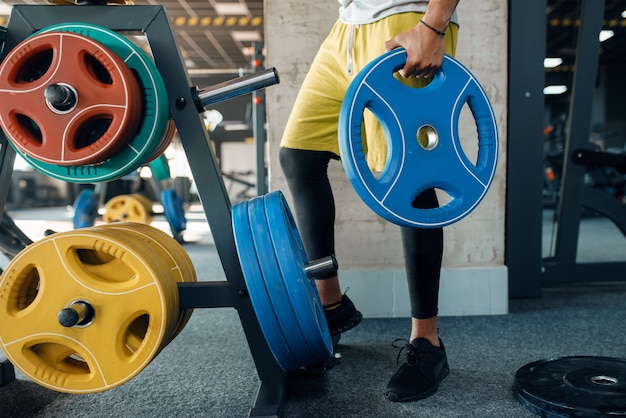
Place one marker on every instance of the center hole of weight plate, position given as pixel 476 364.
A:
pixel 604 380
pixel 79 313
pixel 61 98
pixel 427 137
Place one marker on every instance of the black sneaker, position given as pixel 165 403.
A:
pixel 342 316
pixel 424 367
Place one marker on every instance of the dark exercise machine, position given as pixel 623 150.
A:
pixel 529 270
pixel 578 385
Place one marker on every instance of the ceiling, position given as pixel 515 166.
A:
pixel 213 34
pixel 563 20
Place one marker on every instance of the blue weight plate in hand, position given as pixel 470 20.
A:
pixel 275 285
pixel 302 290
pixel 412 168
pixel 251 268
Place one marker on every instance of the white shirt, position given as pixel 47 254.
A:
pixel 356 12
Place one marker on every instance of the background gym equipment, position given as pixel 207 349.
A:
pixel 160 168
pixel 133 207
pixel 424 148
pixel 174 211
pixel 567 386
pixel 173 99
pixel 85 208
pixel 129 208
pixel 533 264
pixel 138 208
pixel 12 239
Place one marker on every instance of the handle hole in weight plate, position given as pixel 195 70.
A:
pixel 97 70
pixel 34 68
pixel 28 288
pixel 442 197
pixel 30 126
pixel 468 134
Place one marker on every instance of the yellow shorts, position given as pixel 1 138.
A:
pixel 312 124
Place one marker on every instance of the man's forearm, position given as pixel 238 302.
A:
pixel 439 12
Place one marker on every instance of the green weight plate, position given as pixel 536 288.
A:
pixel 154 118
pixel 160 168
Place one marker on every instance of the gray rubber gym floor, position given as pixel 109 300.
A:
pixel 207 370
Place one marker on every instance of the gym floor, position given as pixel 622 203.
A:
pixel 207 370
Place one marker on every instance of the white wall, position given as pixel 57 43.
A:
pixel 474 279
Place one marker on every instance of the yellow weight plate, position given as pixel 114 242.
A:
pixel 174 246
pixel 128 286
pixel 169 249
pixel 128 208
pixel 147 203
pixel 182 257
pixel 168 269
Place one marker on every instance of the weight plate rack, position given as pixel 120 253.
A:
pixel 184 108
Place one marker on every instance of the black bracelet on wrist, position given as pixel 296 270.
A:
pixel 437 31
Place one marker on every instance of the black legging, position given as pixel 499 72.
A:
pixel 314 209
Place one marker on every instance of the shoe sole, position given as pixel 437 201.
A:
pixel 444 373
pixel 353 322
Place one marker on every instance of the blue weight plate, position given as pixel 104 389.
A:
pixel 173 210
pixel 85 209
pixel 292 258
pixel 259 297
pixel 154 118
pixel 283 307
pixel 410 168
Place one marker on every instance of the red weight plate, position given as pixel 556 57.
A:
pixel 166 141
pixel 68 100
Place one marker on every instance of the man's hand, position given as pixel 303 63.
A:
pixel 424 50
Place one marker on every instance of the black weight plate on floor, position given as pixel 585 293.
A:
pixel 581 386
